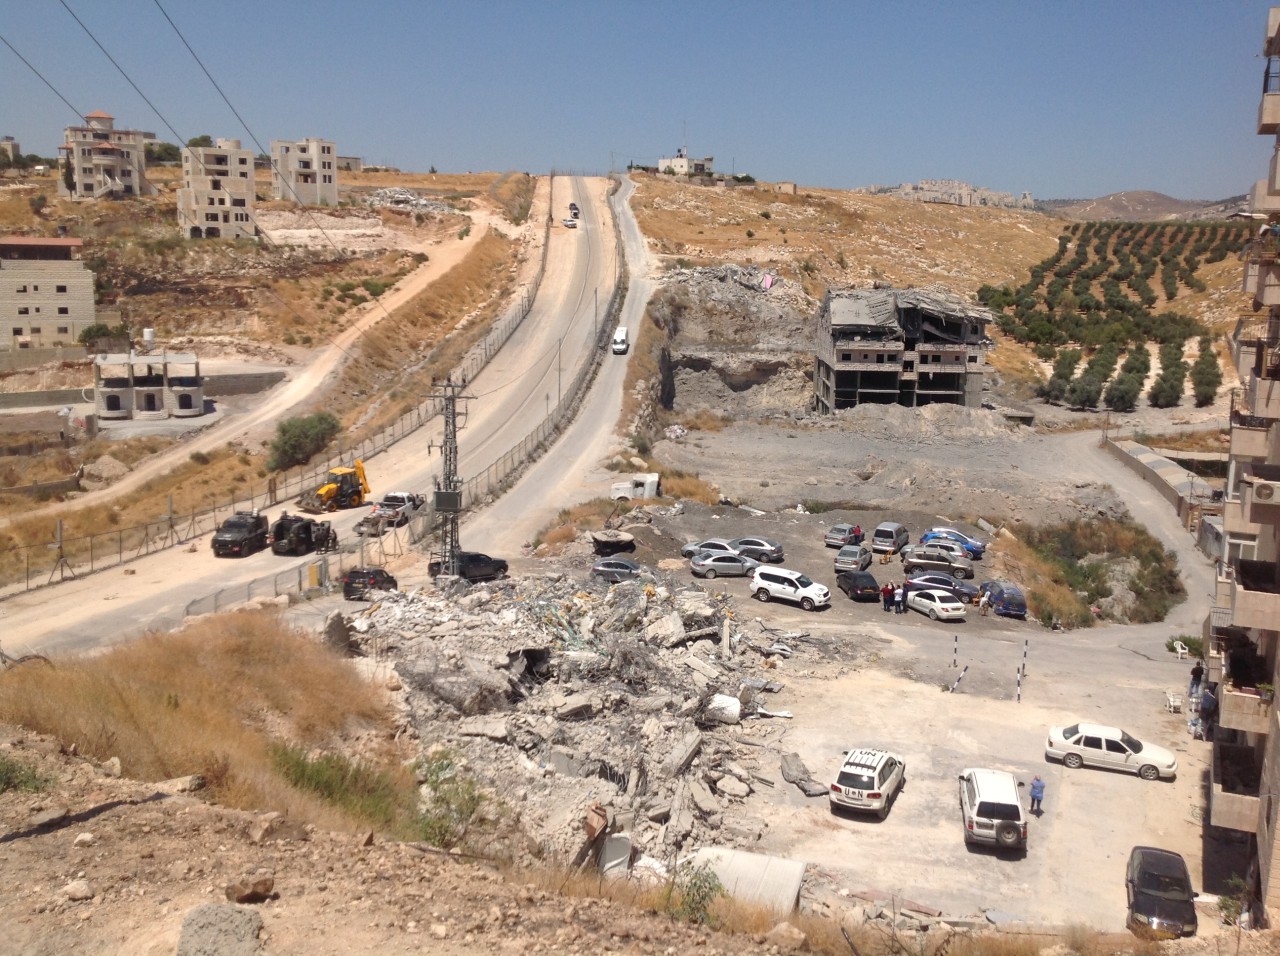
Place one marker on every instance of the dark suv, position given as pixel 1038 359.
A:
pixel 358 582
pixel 473 566
pixel 242 534
pixel 1161 900
pixel 1004 599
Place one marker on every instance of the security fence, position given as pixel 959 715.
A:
pixel 33 566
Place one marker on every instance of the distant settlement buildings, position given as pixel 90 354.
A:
pixel 102 161
pixel 9 146
pixel 305 172
pixel 907 347
pixel 681 165
pixel 46 292
pixel 216 198
pixel 952 192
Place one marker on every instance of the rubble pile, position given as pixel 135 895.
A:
pixel 397 197
pixel 636 704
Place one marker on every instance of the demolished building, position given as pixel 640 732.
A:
pixel 906 347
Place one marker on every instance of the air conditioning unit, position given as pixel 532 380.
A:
pixel 1266 490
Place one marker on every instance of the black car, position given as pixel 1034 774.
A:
pixel 1161 901
pixel 240 535
pixel 859 585
pixel 358 582
pixel 473 566
pixel 963 591
pixel 1004 599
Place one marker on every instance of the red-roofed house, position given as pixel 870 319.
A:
pixel 104 161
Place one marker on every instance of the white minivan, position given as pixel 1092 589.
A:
pixel 889 538
pixel 620 340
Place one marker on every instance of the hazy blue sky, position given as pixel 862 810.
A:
pixel 1068 99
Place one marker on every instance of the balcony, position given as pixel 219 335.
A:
pixel 1262 276
pixel 1269 114
pixel 1242 709
pixel 1234 786
pixel 1250 436
pixel 1255 602
pixel 1261 199
pixel 1262 397
pixel 1234 523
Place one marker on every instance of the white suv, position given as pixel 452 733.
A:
pixel 868 780
pixel 991 809
pixel 770 583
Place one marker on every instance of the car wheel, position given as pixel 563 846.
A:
pixel 1148 772
pixel 710 573
pixel 933 614
pixel 597 578
pixel 1073 761
pixel 962 573
pixel 883 811
pixel 807 604
pixel 762 596
pixel 1008 834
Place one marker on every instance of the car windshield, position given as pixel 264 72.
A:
pixel 804 581
pixel 856 781
pixel 1071 733
pixel 1165 885
pixel 237 523
pixel 1131 743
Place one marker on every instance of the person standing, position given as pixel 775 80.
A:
pixel 899 599
pixel 857 534
pixel 1037 794
pixel 886 594
pixel 1197 675
pixel 984 602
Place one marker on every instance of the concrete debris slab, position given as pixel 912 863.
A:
pixel 767 881
pixel 683 753
pixel 494 728
pixel 218 928
pixel 703 798
pixel 794 771
pixel 722 709
pixel 733 787
pixel 787 938
pixel 615 855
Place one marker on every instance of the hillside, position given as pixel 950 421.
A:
pixel 1141 205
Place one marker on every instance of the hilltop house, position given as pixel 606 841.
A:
pixel 305 172
pixel 216 198
pixel 104 162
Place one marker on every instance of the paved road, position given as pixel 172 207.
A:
pixel 511 398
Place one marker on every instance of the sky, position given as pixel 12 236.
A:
pixel 1067 100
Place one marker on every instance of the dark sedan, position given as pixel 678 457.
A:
pixel 858 585
pixel 1161 901
pixel 964 591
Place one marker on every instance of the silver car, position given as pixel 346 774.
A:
pixel 718 545
pixel 763 550
pixel 853 557
pixel 711 564
pixel 615 570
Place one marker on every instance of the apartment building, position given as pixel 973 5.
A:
pixel 1243 630
pixel 46 292
pixel 898 347
pixel 305 172
pixel 104 162
pixel 216 198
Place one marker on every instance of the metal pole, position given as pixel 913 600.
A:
pixel 959 679
pixel 1019 685
pixel 559 393
pixel 1026 641
pixel 955 651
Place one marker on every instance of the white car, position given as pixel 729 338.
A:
pixel 1100 746
pixel 939 605
pixel 570 223
pixel 868 780
pixel 768 584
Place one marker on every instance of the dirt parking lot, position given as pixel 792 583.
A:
pixel 864 678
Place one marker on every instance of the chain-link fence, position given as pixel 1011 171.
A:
pixel 33 566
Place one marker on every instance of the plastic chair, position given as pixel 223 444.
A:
pixel 1182 649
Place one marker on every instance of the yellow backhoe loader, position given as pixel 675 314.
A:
pixel 343 488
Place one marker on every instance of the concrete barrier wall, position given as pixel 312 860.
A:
pixel 1120 452
pixel 57 397
pixel 14 359
pixel 240 383
pixel 55 487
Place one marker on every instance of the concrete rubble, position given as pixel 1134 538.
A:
pixel 396 197
pixel 641 697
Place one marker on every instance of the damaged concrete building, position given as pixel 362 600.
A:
pixel 906 347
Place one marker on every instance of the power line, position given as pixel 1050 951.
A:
pixel 42 79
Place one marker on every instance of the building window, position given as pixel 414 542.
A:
pixel 237 202
pixel 126 173
pixel 23 310
pixel 244 161
pixel 17 330
pixel 211 217
pixel 63 310
pixel 973 360
pixel 22 288
pixel 846 356
pixel 86 170
pixel 35 330
pixel 60 288
pixel 63 329
pixel 35 288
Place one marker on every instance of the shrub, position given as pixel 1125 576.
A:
pixel 453 805
pixel 364 792
pixel 16 775
pixel 1122 394
pixel 1206 376
pixel 200 458
pixel 692 892
pixel 297 439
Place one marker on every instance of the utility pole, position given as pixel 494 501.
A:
pixel 596 312
pixel 448 496
pixel 559 390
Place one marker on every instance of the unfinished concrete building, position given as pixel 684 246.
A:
pixel 305 172
pixel 150 387
pixel 100 161
pixel 46 292
pixel 216 198
pixel 899 347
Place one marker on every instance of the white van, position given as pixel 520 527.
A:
pixel 889 538
pixel 620 340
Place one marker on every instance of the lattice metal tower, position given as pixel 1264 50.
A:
pixel 448 499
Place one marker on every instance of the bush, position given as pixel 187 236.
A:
pixel 297 439
pixel 453 805
pixel 1206 376
pixel 16 775
pixel 1194 645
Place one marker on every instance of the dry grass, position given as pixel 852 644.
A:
pixel 1216 440
pixel 823 237
pixel 704 420
pixel 1016 365
pixel 1047 598
pixel 588 516
pixel 211 699
pixel 513 192
pixel 645 365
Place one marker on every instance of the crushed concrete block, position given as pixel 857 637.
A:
pixel 700 666
pixel 733 787
pixel 615 855
pixel 682 754
pixel 723 709
pixel 787 938
pixel 666 631
pixel 659 813
pixel 575 705
pixel 493 728
pixel 703 798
